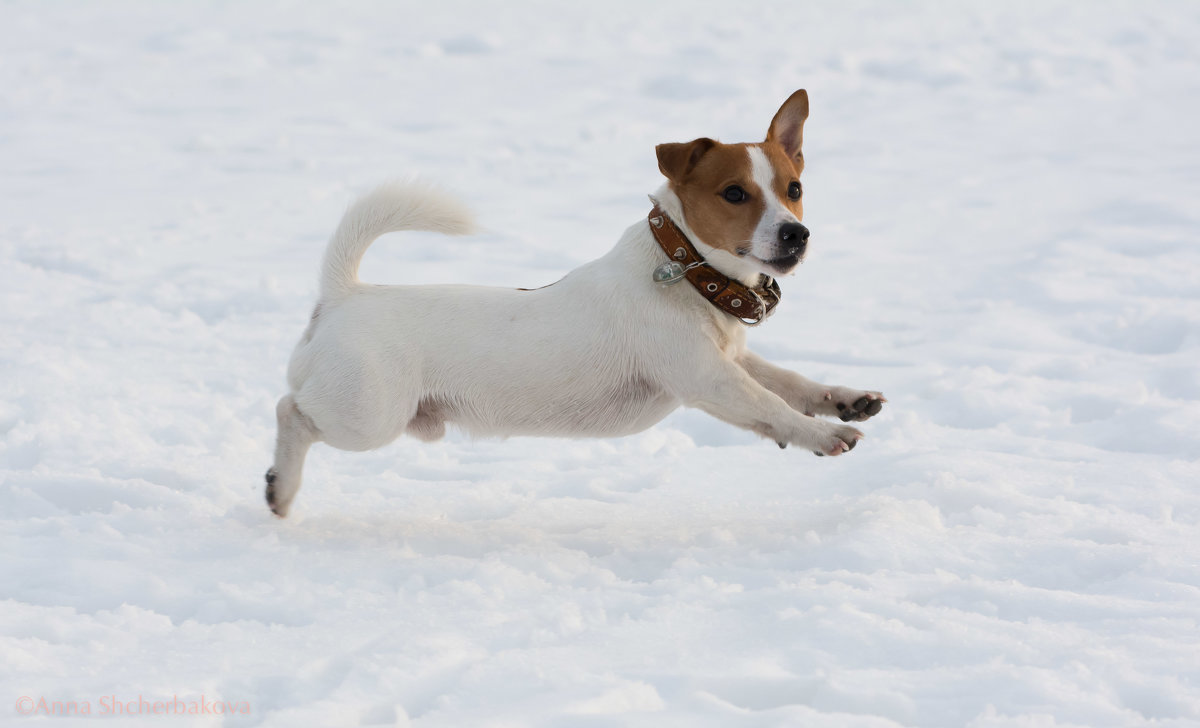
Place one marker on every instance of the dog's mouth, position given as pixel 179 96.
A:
pixel 783 264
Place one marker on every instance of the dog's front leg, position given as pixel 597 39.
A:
pixel 728 392
pixel 811 397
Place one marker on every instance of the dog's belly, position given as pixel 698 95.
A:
pixel 493 362
pixel 603 411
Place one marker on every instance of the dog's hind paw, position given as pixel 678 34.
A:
pixel 270 492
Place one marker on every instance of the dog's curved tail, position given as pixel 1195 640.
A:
pixel 391 207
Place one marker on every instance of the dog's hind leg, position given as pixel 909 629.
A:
pixel 296 435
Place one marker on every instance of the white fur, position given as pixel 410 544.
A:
pixel 605 351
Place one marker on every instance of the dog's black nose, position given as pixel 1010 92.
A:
pixel 793 232
pixel 794 236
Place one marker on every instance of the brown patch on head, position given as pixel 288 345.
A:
pixel 702 173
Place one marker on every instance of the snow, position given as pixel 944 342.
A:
pixel 1002 200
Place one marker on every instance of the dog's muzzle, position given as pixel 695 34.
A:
pixel 792 242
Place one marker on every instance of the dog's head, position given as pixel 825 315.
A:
pixel 745 199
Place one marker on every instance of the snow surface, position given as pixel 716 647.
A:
pixel 1003 205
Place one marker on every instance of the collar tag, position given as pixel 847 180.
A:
pixel 669 273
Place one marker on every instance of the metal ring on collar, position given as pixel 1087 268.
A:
pixel 760 310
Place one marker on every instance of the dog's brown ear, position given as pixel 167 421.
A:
pixel 676 160
pixel 787 128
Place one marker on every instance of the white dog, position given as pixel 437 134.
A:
pixel 610 349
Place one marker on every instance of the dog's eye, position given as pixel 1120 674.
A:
pixel 794 191
pixel 735 194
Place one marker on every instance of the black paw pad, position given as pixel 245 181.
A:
pixel 271 474
pixel 850 445
pixel 862 408
pixel 782 445
pixel 818 454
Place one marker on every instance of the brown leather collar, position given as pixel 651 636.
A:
pixel 751 306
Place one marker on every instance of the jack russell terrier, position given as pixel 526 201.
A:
pixel 609 350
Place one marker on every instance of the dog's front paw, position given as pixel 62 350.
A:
pixel 839 439
pixel 851 405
